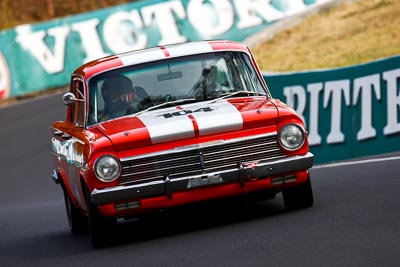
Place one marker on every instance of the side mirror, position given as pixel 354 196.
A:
pixel 68 99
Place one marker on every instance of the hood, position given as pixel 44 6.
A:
pixel 189 121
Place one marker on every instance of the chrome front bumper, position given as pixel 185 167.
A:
pixel 256 170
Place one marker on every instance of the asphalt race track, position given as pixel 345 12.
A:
pixel 355 220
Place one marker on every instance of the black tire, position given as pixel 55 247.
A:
pixel 298 197
pixel 77 221
pixel 100 228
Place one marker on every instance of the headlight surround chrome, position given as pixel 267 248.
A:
pixel 291 136
pixel 107 168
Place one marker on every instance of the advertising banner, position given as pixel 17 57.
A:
pixel 349 112
pixel 40 56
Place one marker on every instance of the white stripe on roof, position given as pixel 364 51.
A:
pixel 189 49
pixel 157 53
pixel 142 56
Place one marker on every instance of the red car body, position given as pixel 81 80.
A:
pixel 169 149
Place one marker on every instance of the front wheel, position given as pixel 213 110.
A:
pixel 298 197
pixel 77 221
pixel 100 228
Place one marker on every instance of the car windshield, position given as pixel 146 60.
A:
pixel 139 88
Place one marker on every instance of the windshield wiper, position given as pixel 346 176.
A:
pixel 237 93
pixel 169 103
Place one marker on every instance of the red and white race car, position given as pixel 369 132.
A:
pixel 170 125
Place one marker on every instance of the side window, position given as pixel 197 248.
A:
pixel 80 105
pixel 71 108
pixel 77 112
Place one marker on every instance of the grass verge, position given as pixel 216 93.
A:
pixel 353 33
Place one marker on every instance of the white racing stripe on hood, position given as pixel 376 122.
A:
pixel 174 124
pixel 224 118
pixel 165 130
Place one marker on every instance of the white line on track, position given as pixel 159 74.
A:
pixel 355 162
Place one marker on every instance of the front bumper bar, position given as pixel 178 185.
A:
pixel 256 170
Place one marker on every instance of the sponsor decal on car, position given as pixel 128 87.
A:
pixel 184 112
pixel 67 149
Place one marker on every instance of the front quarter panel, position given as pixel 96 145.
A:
pixel 70 154
pixel 75 151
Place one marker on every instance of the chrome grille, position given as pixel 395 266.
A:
pixel 198 160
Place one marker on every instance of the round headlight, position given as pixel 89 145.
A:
pixel 107 168
pixel 291 136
